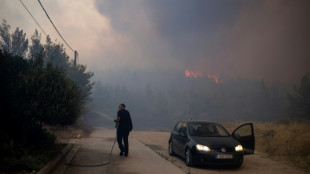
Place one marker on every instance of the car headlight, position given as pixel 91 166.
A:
pixel 202 148
pixel 238 148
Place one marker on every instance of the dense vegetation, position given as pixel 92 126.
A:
pixel 40 87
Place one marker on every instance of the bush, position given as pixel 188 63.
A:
pixel 45 89
pixel 285 139
pixel 33 95
pixel 40 149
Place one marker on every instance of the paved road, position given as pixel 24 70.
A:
pixel 96 148
pixel 148 154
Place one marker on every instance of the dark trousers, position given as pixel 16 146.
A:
pixel 123 136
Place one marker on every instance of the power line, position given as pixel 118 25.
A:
pixel 33 18
pixel 55 26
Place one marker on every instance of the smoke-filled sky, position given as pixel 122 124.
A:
pixel 253 39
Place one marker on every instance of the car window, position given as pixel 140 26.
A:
pixel 184 129
pixel 177 127
pixel 207 130
pixel 221 131
pixel 244 131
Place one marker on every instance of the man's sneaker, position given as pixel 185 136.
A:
pixel 126 154
pixel 121 153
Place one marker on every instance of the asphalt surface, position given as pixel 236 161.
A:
pixel 149 154
pixel 96 149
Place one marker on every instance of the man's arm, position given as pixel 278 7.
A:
pixel 117 121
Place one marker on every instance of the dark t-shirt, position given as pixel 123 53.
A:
pixel 125 123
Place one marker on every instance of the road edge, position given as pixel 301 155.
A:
pixel 50 165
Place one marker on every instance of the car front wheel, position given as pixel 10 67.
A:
pixel 171 152
pixel 237 166
pixel 240 163
pixel 188 157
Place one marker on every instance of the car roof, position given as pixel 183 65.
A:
pixel 196 121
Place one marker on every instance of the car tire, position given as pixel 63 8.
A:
pixel 237 166
pixel 170 149
pixel 240 163
pixel 188 157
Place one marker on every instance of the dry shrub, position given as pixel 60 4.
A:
pixel 286 139
pixel 64 133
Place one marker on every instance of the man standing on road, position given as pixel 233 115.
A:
pixel 124 126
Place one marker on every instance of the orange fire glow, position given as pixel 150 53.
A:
pixel 214 77
pixel 196 74
pixel 191 74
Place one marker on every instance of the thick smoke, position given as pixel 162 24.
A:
pixel 253 39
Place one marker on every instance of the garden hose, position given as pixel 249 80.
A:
pixel 95 165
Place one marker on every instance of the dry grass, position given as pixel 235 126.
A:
pixel 64 133
pixel 285 140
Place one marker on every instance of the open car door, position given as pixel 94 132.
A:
pixel 245 135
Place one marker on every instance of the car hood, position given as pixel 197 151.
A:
pixel 216 142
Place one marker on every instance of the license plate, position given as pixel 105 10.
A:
pixel 224 156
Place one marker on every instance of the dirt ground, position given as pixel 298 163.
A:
pixel 258 163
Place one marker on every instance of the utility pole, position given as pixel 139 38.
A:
pixel 75 57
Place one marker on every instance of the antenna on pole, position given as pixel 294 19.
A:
pixel 75 57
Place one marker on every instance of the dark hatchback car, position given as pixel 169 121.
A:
pixel 209 143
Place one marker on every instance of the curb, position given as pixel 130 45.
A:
pixel 62 164
pixel 49 166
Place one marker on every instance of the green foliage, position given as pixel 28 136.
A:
pixel 51 97
pixel 36 46
pixel 42 95
pixel 15 43
pixel 5 35
pixel 19 43
pixel 28 157
pixel 45 89
pixel 300 98
pixel 82 78
pixel 32 95
pixel 55 53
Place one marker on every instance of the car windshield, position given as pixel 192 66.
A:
pixel 207 130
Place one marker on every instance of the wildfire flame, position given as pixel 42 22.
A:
pixel 214 77
pixel 191 74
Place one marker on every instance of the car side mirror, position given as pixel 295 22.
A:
pixel 236 135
